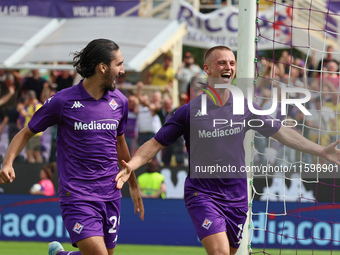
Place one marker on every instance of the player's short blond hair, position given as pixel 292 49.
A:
pixel 211 50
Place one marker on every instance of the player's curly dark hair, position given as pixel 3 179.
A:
pixel 96 52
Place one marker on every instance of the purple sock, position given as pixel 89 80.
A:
pixel 69 253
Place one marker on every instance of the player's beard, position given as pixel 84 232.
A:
pixel 109 82
pixel 112 87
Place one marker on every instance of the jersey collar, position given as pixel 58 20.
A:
pixel 86 95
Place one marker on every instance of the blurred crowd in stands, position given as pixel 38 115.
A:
pixel 322 80
pixel 151 104
pixel 22 92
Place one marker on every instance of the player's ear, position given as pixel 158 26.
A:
pixel 206 69
pixel 102 67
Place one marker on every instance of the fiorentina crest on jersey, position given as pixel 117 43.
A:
pixel 206 223
pixel 113 104
pixel 78 228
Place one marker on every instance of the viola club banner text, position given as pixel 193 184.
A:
pixel 65 8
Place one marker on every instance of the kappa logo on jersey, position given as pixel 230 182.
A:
pixel 199 113
pixel 78 228
pixel 206 223
pixel 113 104
pixel 49 100
pixel 77 104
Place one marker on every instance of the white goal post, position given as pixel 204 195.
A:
pixel 245 75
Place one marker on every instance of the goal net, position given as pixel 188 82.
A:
pixel 295 196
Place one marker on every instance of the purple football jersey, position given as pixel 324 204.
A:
pixel 86 141
pixel 215 143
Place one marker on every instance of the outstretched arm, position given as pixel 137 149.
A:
pixel 7 173
pixel 298 142
pixel 145 153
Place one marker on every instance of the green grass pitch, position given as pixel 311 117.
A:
pixel 39 248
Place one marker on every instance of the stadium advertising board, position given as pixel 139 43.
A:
pixel 65 8
pixel 34 218
pixel 296 225
pixel 37 218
